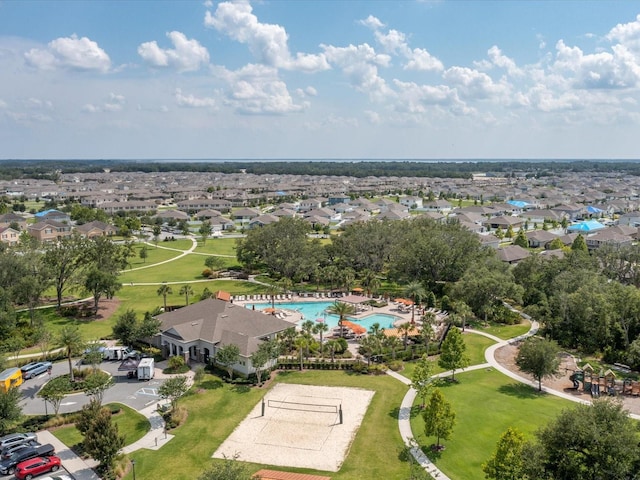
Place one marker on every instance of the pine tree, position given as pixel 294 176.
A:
pixel 507 461
pixel 102 440
pixel 439 418
pixel 452 356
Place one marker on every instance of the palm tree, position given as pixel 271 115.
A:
pixel 71 340
pixel 392 343
pixel 332 346
pixel 404 329
pixel 366 278
pixel 186 290
pixel 464 311
pixel 416 292
pixel 342 310
pixel 286 283
pixel 347 277
pixel 165 290
pixel 272 291
pixel 307 330
pixel 302 343
pixel 320 328
pixel 374 285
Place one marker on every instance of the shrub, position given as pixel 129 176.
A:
pixel 176 362
pixel 207 272
pixel 396 365
pixel 199 374
pixel 361 368
pixel 175 417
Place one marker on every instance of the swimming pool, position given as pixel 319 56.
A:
pixel 314 310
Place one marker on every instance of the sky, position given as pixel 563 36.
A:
pixel 321 79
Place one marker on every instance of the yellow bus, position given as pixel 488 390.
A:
pixel 11 377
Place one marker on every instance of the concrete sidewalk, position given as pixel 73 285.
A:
pixel 78 468
pixel 156 437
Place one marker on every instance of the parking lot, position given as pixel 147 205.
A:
pixel 134 393
pixel 129 391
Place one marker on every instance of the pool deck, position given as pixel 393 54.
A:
pixel 403 314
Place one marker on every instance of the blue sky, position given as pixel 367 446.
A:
pixel 319 79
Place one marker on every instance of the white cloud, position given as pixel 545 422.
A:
pixel 628 34
pixel 414 98
pixel 193 101
pixel 500 60
pixel 373 117
pixel 395 43
pixel 360 64
pixel 372 22
pixel 69 52
pixel 186 56
pixel 619 69
pixel 420 59
pixel 267 42
pixel 471 83
pixel 257 89
pixel 3 104
pixel 114 103
pixel 306 92
pixel 37 104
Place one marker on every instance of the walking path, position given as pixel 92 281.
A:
pixel 183 253
pixel 404 416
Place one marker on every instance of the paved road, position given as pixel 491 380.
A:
pixel 132 392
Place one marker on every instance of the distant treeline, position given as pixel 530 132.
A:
pixel 50 169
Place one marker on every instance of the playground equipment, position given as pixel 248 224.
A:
pixel 605 383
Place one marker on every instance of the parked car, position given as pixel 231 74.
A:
pixel 16 439
pixel 62 476
pixel 35 466
pixel 10 450
pixel 33 369
pixel 8 465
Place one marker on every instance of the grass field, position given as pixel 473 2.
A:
pixel 476 345
pixel 218 246
pixel 130 423
pixel 505 332
pixel 486 403
pixel 216 410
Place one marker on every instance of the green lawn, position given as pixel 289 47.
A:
pixel 189 267
pixel 505 332
pixel 486 403
pixel 476 345
pixel 130 423
pixel 217 408
pixel 145 298
pixel 218 246
pixel 154 255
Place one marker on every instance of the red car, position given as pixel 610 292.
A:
pixel 36 466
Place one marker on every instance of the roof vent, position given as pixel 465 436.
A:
pixel 224 316
pixel 193 324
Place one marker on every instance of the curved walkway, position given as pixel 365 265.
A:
pixel 404 415
pixel 183 253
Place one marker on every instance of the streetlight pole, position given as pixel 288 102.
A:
pixel 133 466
